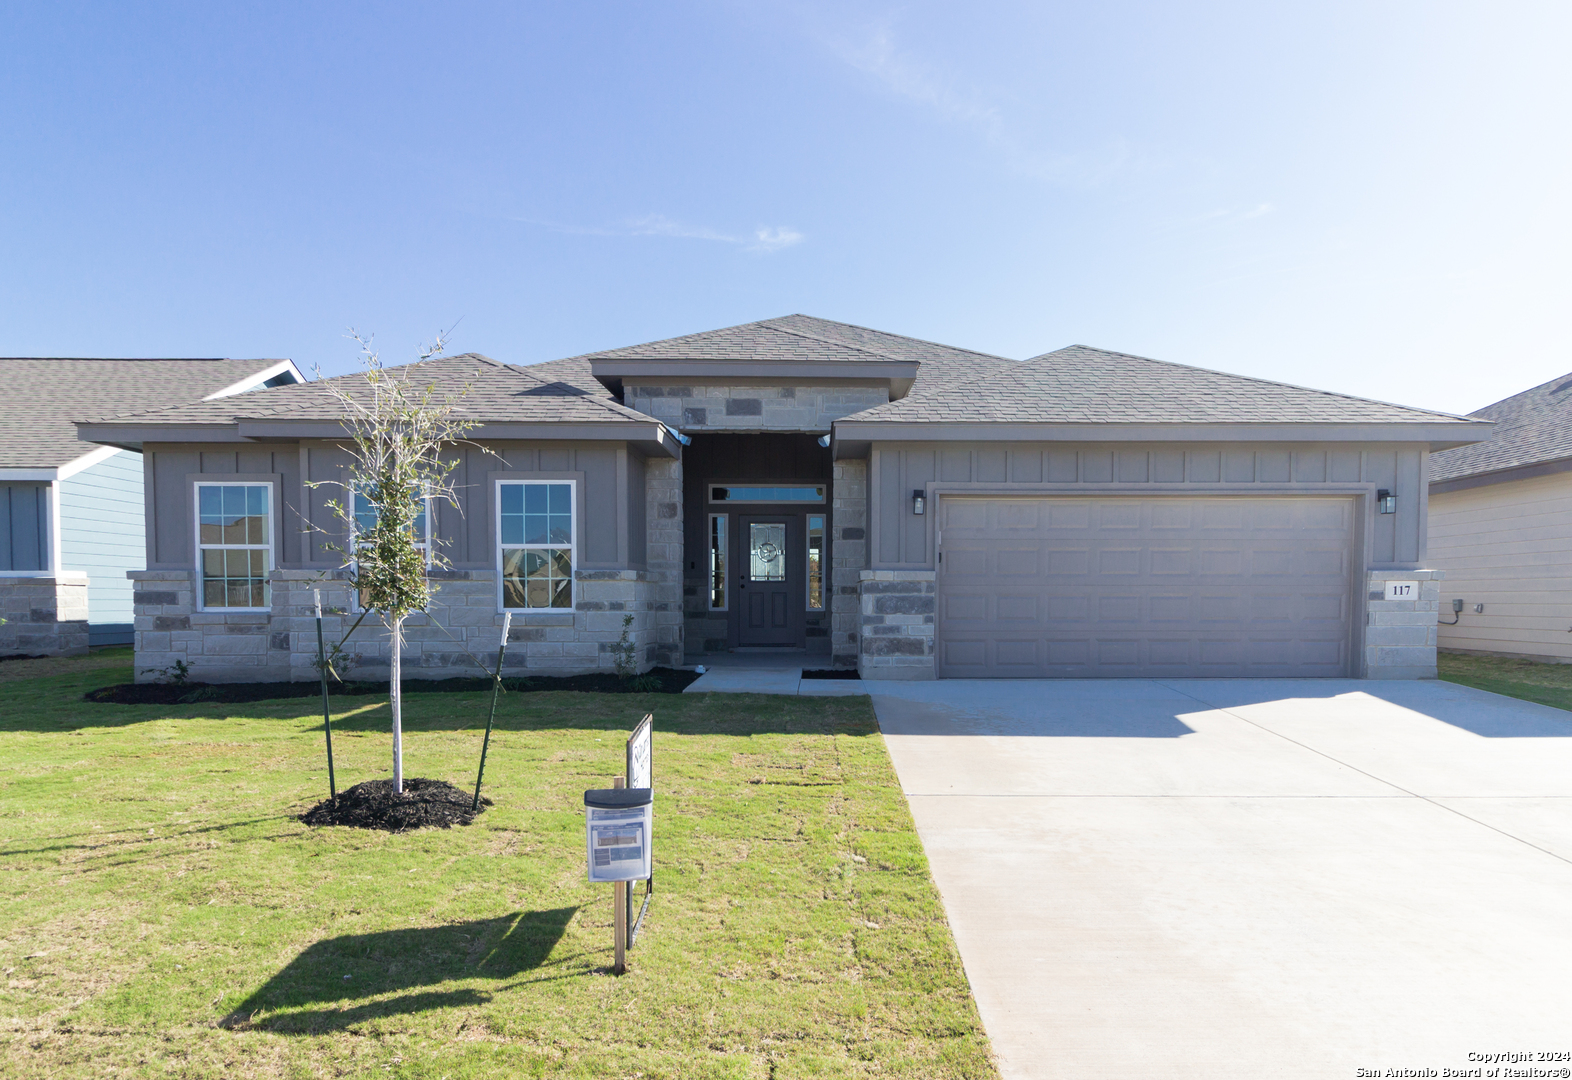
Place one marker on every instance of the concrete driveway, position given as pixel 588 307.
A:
pixel 1247 879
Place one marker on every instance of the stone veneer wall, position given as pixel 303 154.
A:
pixel 1400 635
pixel 849 529
pixel 458 638
pixel 752 408
pixel 663 557
pixel 896 613
pixel 44 616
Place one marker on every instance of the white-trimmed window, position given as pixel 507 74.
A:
pixel 366 520
pixel 717 562
pixel 815 562
pixel 234 545
pixel 537 536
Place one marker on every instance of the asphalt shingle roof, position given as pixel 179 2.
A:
pixel 1083 385
pixel 483 389
pixel 1532 427
pixel 799 338
pixel 41 397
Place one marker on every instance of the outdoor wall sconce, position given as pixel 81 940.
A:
pixel 917 502
pixel 1386 501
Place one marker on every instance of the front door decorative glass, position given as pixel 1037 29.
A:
pixel 767 551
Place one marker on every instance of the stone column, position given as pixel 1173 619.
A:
pixel 663 641
pixel 849 532
pixel 897 626
pixel 1400 635
pixel 44 616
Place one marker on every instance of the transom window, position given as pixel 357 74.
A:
pixel 536 539
pixel 235 544
pixel 810 493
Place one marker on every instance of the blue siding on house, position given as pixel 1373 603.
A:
pixel 102 532
pixel 24 526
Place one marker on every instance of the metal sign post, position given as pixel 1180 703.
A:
pixel 640 764
pixel 617 826
pixel 327 713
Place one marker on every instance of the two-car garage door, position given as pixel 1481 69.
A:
pixel 1227 586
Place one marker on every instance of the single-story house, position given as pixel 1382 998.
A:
pixel 71 514
pixel 908 509
pixel 1501 528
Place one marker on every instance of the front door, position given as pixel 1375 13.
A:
pixel 766 583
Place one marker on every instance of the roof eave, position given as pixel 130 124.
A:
pixel 852 436
pixel 649 437
pixel 1484 478
pixel 899 373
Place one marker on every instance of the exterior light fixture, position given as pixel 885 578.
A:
pixel 917 502
pixel 1386 501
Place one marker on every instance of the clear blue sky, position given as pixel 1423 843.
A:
pixel 1368 197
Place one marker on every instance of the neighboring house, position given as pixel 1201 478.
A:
pixel 71 515
pixel 1501 528
pixel 892 505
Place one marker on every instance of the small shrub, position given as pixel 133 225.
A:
pixel 178 673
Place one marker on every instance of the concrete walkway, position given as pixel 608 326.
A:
pixel 1242 879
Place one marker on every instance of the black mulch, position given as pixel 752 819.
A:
pixel 373 805
pixel 830 673
pixel 655 681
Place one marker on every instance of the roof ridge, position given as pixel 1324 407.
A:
pixel 1250 378
pixel 903 337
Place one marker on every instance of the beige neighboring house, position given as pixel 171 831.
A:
pixel 1501 528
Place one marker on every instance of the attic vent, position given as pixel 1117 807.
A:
pixel 1563 386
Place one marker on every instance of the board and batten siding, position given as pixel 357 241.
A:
pixel 24 526
pixel 102 534
pixel 902 539
pixel 611 480
pixel 1507 546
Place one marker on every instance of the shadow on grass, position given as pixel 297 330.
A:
pixel 357 966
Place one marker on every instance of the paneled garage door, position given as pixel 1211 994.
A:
pixel 1040 586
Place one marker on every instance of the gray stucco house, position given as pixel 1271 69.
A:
pixel 909 509
pixel 71 514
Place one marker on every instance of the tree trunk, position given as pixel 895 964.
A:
pixel 396 698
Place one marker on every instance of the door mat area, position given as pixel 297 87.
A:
pixel 827 673
pixel 655 681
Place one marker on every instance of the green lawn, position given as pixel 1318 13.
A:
pixel 163 913
pixel 1531 680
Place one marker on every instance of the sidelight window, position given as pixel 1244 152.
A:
pixel 717 563
pixel 815 562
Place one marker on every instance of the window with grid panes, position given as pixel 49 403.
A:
pixel 234 544
pixel 536 533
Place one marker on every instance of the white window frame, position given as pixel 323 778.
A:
pixel 424 543
pixel 807 565
pixel 196 537
pixel 709 569
pixel 573 545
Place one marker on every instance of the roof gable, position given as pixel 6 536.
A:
pixel 1531 428
pixel 40 397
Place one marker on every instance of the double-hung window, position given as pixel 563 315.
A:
pixel 234 544
pixel 366 515
pixel 537 536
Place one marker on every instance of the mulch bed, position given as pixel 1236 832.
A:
pixel 830 673
pixel 655 681
pixel 373 805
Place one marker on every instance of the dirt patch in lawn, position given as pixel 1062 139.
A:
pixel 654 681
pixel 375 805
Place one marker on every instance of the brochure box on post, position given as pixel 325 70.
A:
pixel 617 832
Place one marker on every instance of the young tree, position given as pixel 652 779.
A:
pixel 399 427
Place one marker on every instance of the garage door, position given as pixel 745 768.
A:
pixel 1035 587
